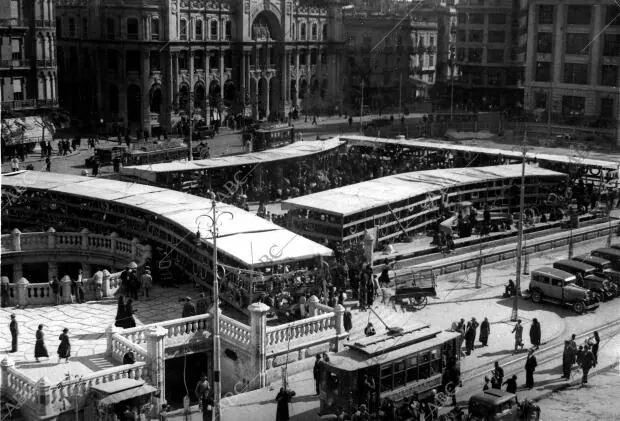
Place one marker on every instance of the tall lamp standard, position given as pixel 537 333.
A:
pixel 217 381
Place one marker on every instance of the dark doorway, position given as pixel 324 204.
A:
pixel 133 103
pixel 156 100
pixel 7 270
pixel 178 385
pixel 35 272
pixel 68 268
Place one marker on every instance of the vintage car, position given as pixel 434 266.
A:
pixel 499 405
pixel 559 287
pixel 587 278
pixel 603 268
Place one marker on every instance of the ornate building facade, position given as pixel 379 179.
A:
pixel 27 55
pixel 139 63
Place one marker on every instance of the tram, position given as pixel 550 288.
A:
pixel 400 364
pixel 273 136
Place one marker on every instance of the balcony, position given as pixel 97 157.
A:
pixel 28 103
pixel 8 64
pixel 43 23
pixel 14 22
pixel 46 63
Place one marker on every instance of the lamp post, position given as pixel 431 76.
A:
pixel 515 306
pixel 217 385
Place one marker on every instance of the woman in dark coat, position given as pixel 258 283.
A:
pixel 535 333
pixel 120 312
pixel 370 292
pixel 40 350
pixel 485 331
pixel 129 311
pixel 568 357
pixel 595 345
pixel 347 319
pixel 283 398
pixel 64 349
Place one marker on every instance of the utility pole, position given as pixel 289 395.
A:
pixel 550 108
pixel 400 95
pixel 515 306
pixel 452 92
pixel 362 110
pixel 190 68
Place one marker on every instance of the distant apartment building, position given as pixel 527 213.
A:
pixel 28 80
pixel 573 60
pixel 491 76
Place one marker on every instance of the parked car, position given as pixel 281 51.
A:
pixel 603 268
pixel 600 287
pixel 559 287
pixel 499 405
pixel 611 254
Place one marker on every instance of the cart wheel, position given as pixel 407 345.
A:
pixel 420 302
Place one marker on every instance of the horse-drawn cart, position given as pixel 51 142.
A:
pixel 413 288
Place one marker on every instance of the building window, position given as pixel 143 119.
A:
pixel 573 105
pixel 462 18
pixel 323 57
pixel 183 30
pixel 475 55
pixel 609 75
pixel 112 61
pixel 324 32
pixel 84 28
pixel 183 60
pixel 72 28
pixel 476 35
pixel 497 36
pixel 303 31
pixel 58 28
pixel 198 59
pixel 613 13
pixel 545 43
pixel 476 18
pixel 198 34
pixel 431 60
pixel 313 57
pixel 545 14
pixel 577 43
pixel 461 36
pixel 543 71
pixel 494 77
pixel 431 41
pixel 431 77
pixel 132 61
pixel 132 28
pixel 18 94
pixel 497 19
pixel 228 29
pixel 16 49
pixel 155 29
pixel 607 108
pixel 314 32
pixel 214 30
pixel 154 60
pixel 611 45
pixel 110 28
pixel 495 56
pixel 576 73
pixel 579 15
pixel 540 100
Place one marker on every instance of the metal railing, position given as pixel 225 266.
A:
pixel 28 103
pixel 46 63
pixel 43 23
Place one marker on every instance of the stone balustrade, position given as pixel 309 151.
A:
pixel 279 337
pixel 234 331
pixel 17 385
pixel 122 345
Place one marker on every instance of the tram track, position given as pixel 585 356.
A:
pixel 544 354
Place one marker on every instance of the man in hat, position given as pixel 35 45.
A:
pixel 146 281
pixel 202 305
pixel 189 309
pixel 14 332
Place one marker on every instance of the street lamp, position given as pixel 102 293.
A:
pixel 217 385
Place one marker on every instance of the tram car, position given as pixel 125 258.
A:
pixel 399 363
pixel 273 136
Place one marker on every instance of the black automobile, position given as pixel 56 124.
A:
pixel 603 268
pixel 586 278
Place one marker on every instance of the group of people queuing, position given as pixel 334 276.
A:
pixel 40 349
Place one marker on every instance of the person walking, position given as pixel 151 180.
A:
pixel 535 334
pixel 518 331
pixel 596 342
pixel 146 281
pixel 568 358
pixel 587 362
pixel 40 350
pixel 530 367
pixel 48 164
pixel 203 392
pixel 64 349
pixel 120 312
pixel 283 398
pixel 14 328
pixel 485 331
pixel 316 373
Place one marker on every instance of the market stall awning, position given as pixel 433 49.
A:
pixel 122 390
pixel 127 394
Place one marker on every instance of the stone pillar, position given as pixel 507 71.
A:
pixel 51 238
pixel 16 236
pixel 113 238
pixel 109 333
pixel 22 291
pixel 18 271
pixel 296 101
pixel 105 282
pixel 134 248
pixel 175 77
pixel 65 288
pixel 156 363
pixel 222 76
pixel 44 397
pixel 258 333
pixel 283 79
pixel 339 323
pixel 595 56
pixel 52 269
pixel 242 77
pixel 207 86
pixel 144 88
pixel 312 306
pixel 85 232
pixel 369 245
pixel 267 94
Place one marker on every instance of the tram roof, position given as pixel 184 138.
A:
pixel 515 154
pixel 294 150
pixel 246 238
pixel 382 191
pixel 352 359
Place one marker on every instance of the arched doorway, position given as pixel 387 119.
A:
pixel 214 93
pixel 184 98
pixel 303 88
pixel 133 103
pixel 314 86
pixel 229 91
pixel 156 99
pixel 293 90
pixel 199 96
pixel 266 26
